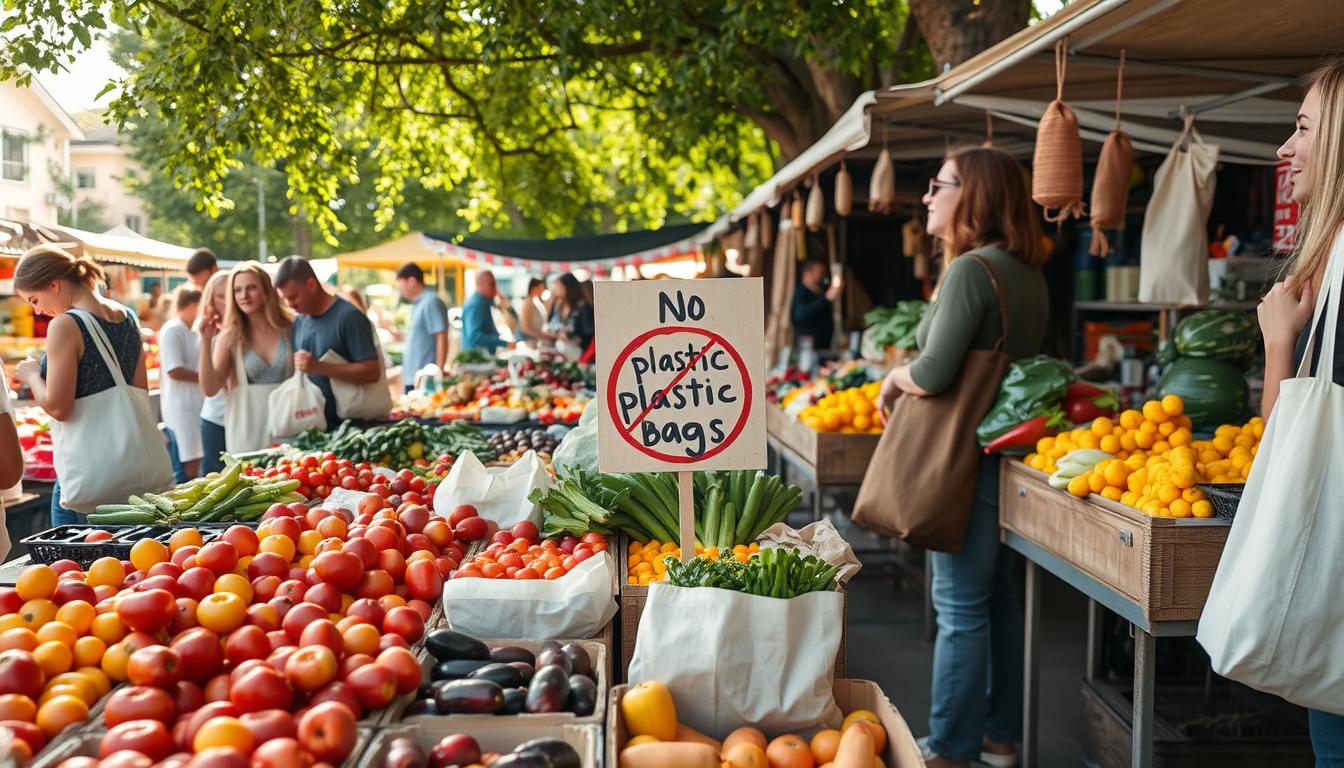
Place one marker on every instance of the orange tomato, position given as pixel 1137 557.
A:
pixel 12 621
pixel 16 706
pixel 745 734
pixel 226 732
pixel 37 582
pixel 106 570
pixel 238 585
pixel 185 537
pixel 78 614
pixel 746 755
pixel 278 544
pixel 88 689
pixel 790 751
pixel 99 678
pixel 35 613
pixel 146 553
pixel 825 744
pixel 308 541
pixel 221 612
pixel 59 713
pixel 89 651
pixel 361 638
pixel 54 657
pixel 107 627
pixel 21 638
pixel 58 631
pixel 114 662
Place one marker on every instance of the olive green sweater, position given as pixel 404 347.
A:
pixel 965 316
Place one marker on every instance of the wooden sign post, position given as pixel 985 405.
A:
pixel 681 374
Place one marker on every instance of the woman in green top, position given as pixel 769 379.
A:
pixel 977 204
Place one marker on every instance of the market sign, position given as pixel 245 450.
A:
pixel 680 366
pixel 1285 209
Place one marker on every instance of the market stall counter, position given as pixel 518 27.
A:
pixel 1154 572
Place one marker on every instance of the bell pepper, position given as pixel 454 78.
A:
pixel 1090 403
pixel 1028 432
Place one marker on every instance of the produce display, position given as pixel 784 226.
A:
pixel 837 376
pixel 511 444
pixel 1148 459
pixel 461 749
pixel 472 678
pixel 658 740
pixel 33 427
pixel 895 326
pixel 399 444
pixel 520 553
pixel 847 411
pixel 550 392
pixel 218 497
pixel 731 507
pixel 1028 402
pixel 772 572
pixel 647 562
pixel 320 474
pixel 1206 363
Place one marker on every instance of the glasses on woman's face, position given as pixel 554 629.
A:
pixel 936 184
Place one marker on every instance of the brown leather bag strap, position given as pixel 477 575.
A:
pixel 1003 305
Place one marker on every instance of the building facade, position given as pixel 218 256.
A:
pixel 99 166
pixel 35 139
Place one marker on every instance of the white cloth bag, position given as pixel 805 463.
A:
pixel 296 406
pixel 361 401
pixel 117 425
pixel 1174 255
pixel 498 493
pixel 1274 619
pixel 575 606
pixel 246 411
pixel 731 658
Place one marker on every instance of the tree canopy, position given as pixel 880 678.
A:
pixel 549 116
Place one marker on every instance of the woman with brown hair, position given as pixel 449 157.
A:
pixel 979 206
pixel 214 305
pixel 247 354
pixel 94 350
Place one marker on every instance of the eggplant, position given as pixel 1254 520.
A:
pixel 515 701
pixel 422 708
pixel 582 695
pixel 559 751
pixel 507 653
pixel 524 669
pixel 405 753
pixel 555 658
pixel 580 663
pixel 549 690
pixel 503 674
pixel 471 697
pixel 523 760
pixel 549 645
pixel 446 645
pixel 455 669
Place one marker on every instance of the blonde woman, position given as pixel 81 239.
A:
pixel 1316 153
pixel 247 355
pixel 214 305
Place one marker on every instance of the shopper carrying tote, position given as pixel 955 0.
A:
pixel 979 206
pixel 1274 619
pixel 93 384
pixel 248 356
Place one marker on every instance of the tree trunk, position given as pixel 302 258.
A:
pixel 298 228
pixel 956 30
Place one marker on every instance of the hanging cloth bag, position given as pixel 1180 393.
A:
pixel 1274 619
pixel 247 411
pixel 1110 187
pixel 1174 255
pixel 1057 166
pixel 361 401
pixel 117 422
pixel 296 406
pixel 920 483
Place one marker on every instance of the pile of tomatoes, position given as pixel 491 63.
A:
pixel 320 474
pixel 519 553
pixel 261 648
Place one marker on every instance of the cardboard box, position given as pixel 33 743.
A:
pixel 492 736
pixel 597 652
pixel 901 752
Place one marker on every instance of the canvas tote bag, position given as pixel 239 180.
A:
pixel 247 411
pixel 920 483
pixel 361 401
pixel 116 422
pixel 296 406
pixel 1274 619
pixel 1174 254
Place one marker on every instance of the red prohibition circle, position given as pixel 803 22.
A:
pixel 714 339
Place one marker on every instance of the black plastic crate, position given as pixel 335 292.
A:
pixel 1225 498
pixel 66 542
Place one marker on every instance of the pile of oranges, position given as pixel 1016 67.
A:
pixel 848 411
pixel 645 562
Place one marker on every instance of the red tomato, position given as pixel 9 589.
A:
pixel 292 589
pixel 67 590
pixel 279 753
pixel 405 668
pixel 148 737
pixel 300 616
pixel 327 731
pixel 138 702
pixel 217 690
pixel 267 564
pixel 423 580
pixel 392 641
pixel 339 568
pixel 351 663
pixel 363 549
pixel 323 632
pixel 270 724
pixel 169 569
pixel 374 684
pixel 311 667
pixel 243 539
pixel 28 733
pixel 406 622
pixel 367 608
pixel 279 657
pixel 261 688
pixel 201 653
pixel 221 557
pixel 471 529
pixel 461 512
pixel 526 530
pixel 421 607
pixel 326 595
pixel 244 643
pixel 264 588
pixel 374 584
pixel 439 532
pixel 148 611
pixel 158 666
pixel 187 697
pixel 393 562
pixel 338 692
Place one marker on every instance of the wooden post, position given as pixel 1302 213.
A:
pixel 686 505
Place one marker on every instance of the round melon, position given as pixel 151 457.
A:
pixel 1214 392
pixel 1218 334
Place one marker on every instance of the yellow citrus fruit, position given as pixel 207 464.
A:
pixel 1173 405
pixel 1154 412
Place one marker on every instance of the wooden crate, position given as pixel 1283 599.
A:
pixel 634 596
pixel 492 737
pixel 836 458
pixel 85 743
pixel 902 751
pixel 1164 565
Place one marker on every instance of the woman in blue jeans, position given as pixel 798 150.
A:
pixel 1316 154
pixel 978 205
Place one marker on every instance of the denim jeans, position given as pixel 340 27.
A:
pixel 60 515
pixel 1327 738
pixel 212 444
pixel 179 471
pixel 977 658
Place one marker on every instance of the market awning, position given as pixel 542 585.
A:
pixel 592 252
pixel 394 253
pixel 132 250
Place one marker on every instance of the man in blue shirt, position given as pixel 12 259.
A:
pixel 427 334
pixel 327 323
pixel 478 324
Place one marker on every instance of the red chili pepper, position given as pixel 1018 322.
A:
pixel 1026 433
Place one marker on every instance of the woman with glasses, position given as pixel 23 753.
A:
pixel 979 206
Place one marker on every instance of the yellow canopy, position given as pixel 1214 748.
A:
pixel 394 253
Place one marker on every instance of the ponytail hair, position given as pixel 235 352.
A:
pixel 45 264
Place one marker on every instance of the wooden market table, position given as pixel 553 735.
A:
pixel 1154 572
pixel 830 460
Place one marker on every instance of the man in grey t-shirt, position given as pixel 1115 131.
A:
pixel 427 335
pixel 327 323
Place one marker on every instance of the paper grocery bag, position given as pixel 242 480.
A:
pixel 731 658
pixel 576 605
pixel 498 493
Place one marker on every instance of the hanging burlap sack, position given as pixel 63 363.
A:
pixel 816 206
pixel 882 188
pixel 796 211
pixel 1110 187
pixel 844 191
pixel 1057 166
pixel 767 228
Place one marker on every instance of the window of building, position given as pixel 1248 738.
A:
pixel 133 222
pixel 85 178
pixel 13 155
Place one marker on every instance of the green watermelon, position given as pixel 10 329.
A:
pixel 1214 392
pixel 1218 334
